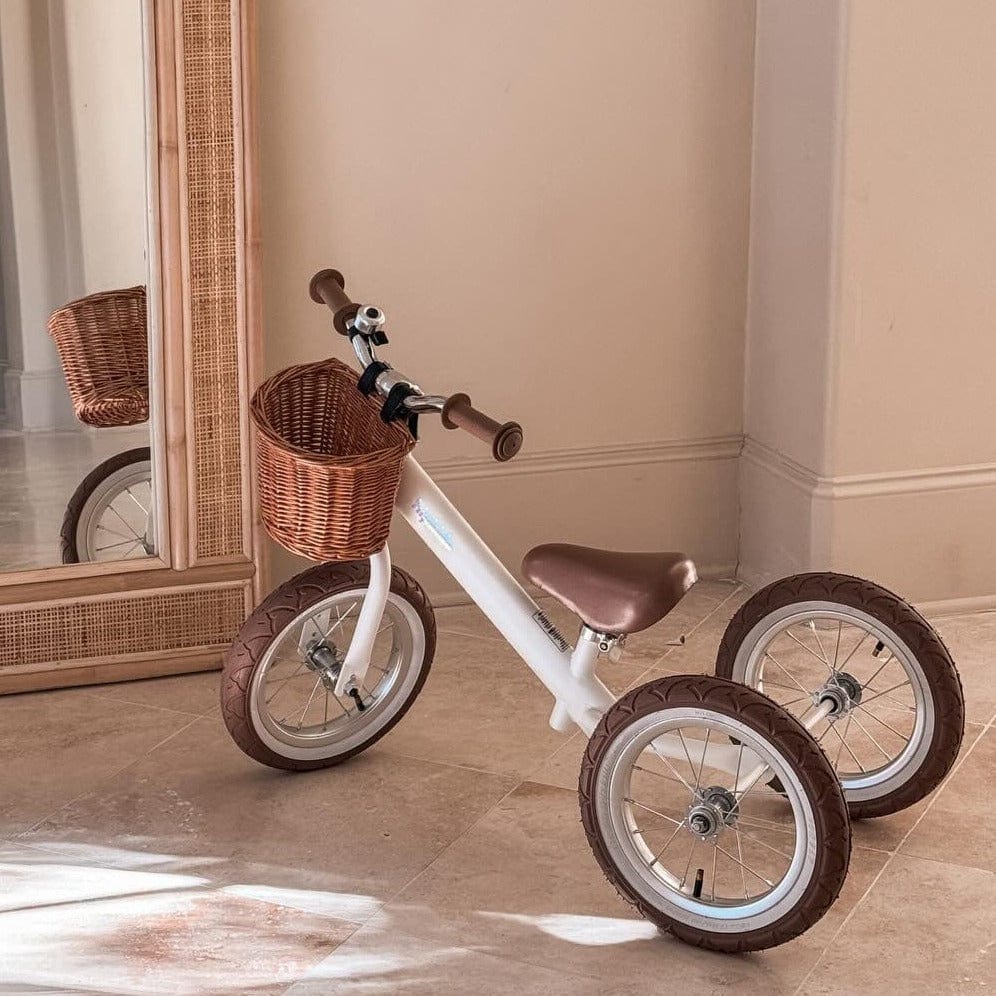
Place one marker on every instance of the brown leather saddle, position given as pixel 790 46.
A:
pixel 612 592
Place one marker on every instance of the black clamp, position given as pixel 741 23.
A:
pixel 394 407
pixel 368 379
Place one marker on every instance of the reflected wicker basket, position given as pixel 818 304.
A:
pixel 328 466
pixel 103 345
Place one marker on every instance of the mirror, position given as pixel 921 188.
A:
pixel 76 283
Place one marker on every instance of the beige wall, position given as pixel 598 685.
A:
pixel 550 200
pixel 870 355
pixel 106 118
pixel 73 208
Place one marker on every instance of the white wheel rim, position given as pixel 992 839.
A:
pixel 293 712
pixel 116 521
pixel 728 865
pixel 873 750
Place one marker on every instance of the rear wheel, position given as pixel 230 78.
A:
pixel 898 713
pixel 277 690
pixel 707 853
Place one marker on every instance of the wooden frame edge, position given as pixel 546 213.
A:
pixel 178 568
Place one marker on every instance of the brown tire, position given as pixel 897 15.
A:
pixel 274 617
pixel 907 633
pixel 758 721
pixel 69 533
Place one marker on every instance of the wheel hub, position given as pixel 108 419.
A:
pixel 842 692
pixel 715 810
pixel 324 659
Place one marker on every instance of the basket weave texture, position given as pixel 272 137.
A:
pixel 328 466
pixel 103 345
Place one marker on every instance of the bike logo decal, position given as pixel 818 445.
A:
pixel 551 631
pixel 431 522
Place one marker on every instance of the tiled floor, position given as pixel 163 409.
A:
pixel 141 852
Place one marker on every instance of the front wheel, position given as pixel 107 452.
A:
pixel 678 811
pixel 109 516
pixel 897 711
pixel 277 688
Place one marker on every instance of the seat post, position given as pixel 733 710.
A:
pixel 591 644
pixel 604 641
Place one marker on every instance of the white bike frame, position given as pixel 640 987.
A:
pixel 569 673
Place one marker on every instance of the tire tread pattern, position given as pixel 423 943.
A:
pixel 792 740
pixel 272 617
pixel 71 520
pixel 924 641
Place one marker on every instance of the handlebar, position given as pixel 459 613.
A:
pixel 348 318
pixel 505 440
pixel 329 287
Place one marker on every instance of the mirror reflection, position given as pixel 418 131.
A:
pixel 75 462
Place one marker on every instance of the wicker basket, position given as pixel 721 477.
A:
pixel 328 465
pixel 103 344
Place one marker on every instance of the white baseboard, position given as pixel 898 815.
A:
pixel 917 532
pixel 678 495
pixel 37 400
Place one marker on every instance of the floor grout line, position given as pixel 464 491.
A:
pixel 472 826
pixel 850 915
pixel 123 700
pixel 450 764
pixel 107 778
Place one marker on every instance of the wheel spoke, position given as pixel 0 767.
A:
pixel 861 727
pixel 113 532
pixel 340 618
pixel 891 729
pixel 657 856
pixel 743 874
pixel 113 546
pixel 768 683
pixel 282 682
pixel 757 840
pixel 663 816
pixel 812 653
pixel 840 746
pixel 770 885
pixel 836 649
pixel 755 823
pixel 659 774
pixel 878 695
pixel 806 698
pixel 688 864
pixel 672 767
pixel 843 742
pixel 715 855
pixel 128 491
pixel 879 670
pixel 857 647
pixel 124 521
pixel 304 711
pixel 791 677
pixel 705 750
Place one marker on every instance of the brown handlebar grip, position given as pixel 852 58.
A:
pixel 329 287
pixel 505 440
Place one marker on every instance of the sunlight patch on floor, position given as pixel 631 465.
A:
pixel 344 905
pixel 586 930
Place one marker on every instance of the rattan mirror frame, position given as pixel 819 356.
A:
pixel 88 623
